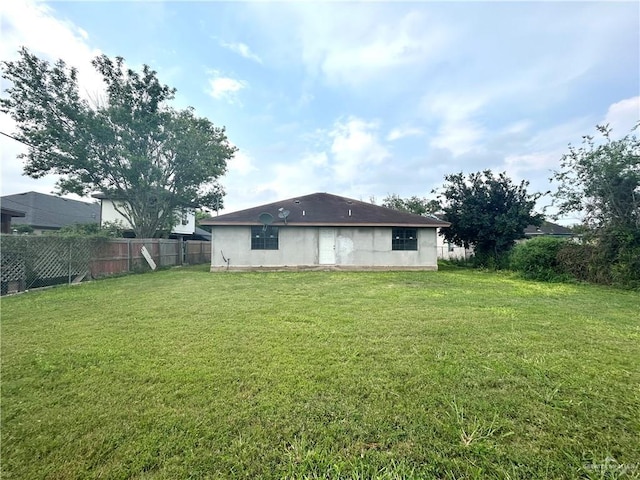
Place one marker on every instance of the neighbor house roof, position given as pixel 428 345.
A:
pixel 49 211
pixel 547 228
pixel 12 213
pixel 202 234
pixel 324 209
pixel 7 215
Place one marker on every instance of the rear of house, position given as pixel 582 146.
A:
pixel 326 232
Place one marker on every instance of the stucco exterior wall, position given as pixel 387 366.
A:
pixel 357 248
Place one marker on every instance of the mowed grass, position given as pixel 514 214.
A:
pixel 450 374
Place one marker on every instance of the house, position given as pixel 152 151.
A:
pixel 7 215
pixel 186 226
pixel 451 251
pixel 448 250
pixel 548 229
pixel 44 212
pixel 323 231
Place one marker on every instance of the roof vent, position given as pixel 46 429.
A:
pixel 296 201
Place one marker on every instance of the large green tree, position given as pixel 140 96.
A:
pixel 487 212
pixel 601 180
pixel 130 145
pixel 414 204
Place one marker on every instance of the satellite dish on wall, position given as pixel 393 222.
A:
pixel 266 219
pixel 283 214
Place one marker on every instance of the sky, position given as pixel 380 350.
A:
pixel 360 99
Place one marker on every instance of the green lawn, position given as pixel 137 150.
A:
pixel 450 374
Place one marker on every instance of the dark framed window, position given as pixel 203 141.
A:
pixel 264 238
pixel 404 239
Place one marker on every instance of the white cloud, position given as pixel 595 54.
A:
pixel 458 130
pixel 559 135
pixel 536 161
pixel 355 147
pixel 358 44
pixel 226 88
pixel 320 159
pixel 243 50
pixel 623 116
pixel 458 136
pixel 340 160
pixel 285 180
pixel 241 163
pixel 515 128
pixel 35 26
pixel 404 131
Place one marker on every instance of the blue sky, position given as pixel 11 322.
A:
pixel 359 99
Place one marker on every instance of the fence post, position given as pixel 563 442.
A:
pixel 69 263
pixel 128 255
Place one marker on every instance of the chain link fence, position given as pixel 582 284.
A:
pixel 32 261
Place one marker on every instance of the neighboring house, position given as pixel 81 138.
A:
pixel 448 250
pixel 548 229
pixel 323 231
pixel 7 215
pixel 186 226
pixel 44 212
pixel 201 234
pixel 451 251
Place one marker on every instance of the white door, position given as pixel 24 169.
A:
pixel 327 246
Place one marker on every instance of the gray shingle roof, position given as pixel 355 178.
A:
pixel 11 213
pixel 547 228
pixel 49 211
pixel 324 209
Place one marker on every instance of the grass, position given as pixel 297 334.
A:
pixel 450 374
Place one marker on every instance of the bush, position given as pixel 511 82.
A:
pixel 603 263
pixel 489 261
pixel 579 262
pixel 537 259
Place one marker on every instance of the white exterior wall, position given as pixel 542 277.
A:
pixel 451 252
pixel 359 248
pixel 109 214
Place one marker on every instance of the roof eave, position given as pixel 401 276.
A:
pixel 325 224
pixel 13 213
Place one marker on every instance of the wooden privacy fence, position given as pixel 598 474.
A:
pixel 33 261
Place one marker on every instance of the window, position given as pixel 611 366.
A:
pixel 264 238
pixel 404 239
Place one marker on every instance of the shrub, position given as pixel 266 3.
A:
pixel 537 259
pixel 490 261
pixel 600 262
pixel 579 261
